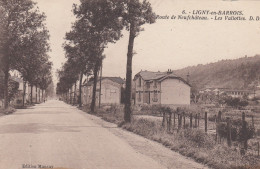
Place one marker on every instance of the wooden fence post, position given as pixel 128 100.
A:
pixel 163 122
pixel 179 121
pixel 183 114
pixel 170 122
pixel 253 123
pixel 167 121
pixel 258 149
pixel 244 130
pixel 206 121
pixel 196 118
pixel 216 125
pixel 228 132
pixel 174 119
pixel 199 120
pixel 190 120
pixel 219 116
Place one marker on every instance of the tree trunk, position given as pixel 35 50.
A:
pixel 24 91
pixel 42 95
pixel 6 91
pixel 128 111
pixel 75 92
pixel 39 93
pixel 6 68
pixel 93 103
pixel 100 85
pixel 31 94
pixel 80 90
pixel 36 94
pixel 71 95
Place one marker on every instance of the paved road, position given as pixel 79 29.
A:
pixel 57 135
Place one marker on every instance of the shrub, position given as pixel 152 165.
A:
pixel 247 134
pixel 237 134
pixel 9 110
pixel 199 138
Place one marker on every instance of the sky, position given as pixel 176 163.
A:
pixel 167 44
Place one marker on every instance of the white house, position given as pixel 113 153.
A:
pixel 161 88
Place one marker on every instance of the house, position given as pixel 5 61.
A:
pixel 17 82
pixel 111 91
pixel 161 88
pixel 238 93
pixel 18 99
pixel 73 93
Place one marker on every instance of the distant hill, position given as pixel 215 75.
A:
pixel 242 73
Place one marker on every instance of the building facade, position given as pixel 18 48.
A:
pixel 161 88
pixel 111 91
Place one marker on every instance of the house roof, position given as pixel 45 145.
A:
pixel 118 80
pixel 16 79
pixel 147 75
pixel 160 76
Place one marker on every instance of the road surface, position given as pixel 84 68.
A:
pixel 57 135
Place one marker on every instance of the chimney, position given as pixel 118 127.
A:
pixel 188 77
pixel 169 71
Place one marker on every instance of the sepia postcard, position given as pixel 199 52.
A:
pixel 125 84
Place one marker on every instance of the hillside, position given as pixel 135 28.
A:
pixel 242 73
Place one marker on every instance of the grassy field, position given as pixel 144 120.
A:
pixel 194 143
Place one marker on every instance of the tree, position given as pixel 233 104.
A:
pixel 236 102
pixel 13 89
pixel 33 64
pixel 137 14
pixel 45 77
pixel 101 22
pixel 19 20
pixel 67 77
pixel 75 52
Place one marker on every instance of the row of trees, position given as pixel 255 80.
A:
pixel 24 44
pixel 98 23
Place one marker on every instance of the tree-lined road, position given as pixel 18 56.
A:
pixel 58 135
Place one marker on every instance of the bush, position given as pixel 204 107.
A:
pixel 143 127
pixel 199 138
pixel 237 133
pixel 247 134
pixel 9 110
pixel 236 102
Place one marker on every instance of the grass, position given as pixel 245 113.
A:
pixel 7 111
pixel 191 143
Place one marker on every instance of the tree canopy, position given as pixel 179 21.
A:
pixel 23 41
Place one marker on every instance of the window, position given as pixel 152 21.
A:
pixel 155 96
pixel 155 84
pixel 148 85
pixel 140 82
pixel 139 96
